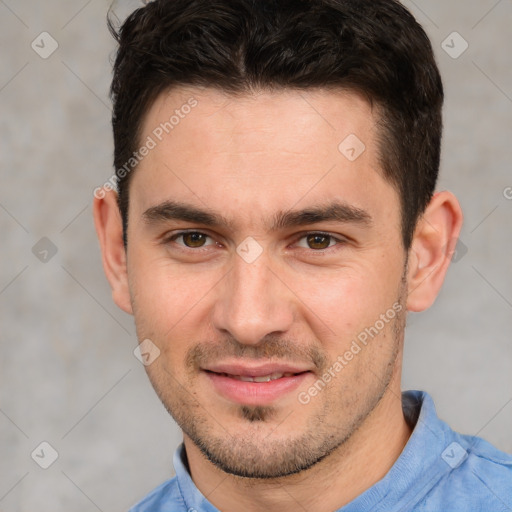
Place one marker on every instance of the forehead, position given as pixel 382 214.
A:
pixel 261 150
pixel 257 118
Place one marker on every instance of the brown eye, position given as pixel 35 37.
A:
pixel 190 241
pixel 194 240
pixel 318 241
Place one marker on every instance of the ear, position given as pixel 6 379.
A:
pixel 432 248
pixel 109 228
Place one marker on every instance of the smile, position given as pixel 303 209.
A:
pixel 262 378
pixel 264 388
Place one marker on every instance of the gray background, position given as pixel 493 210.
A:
pixel 68 375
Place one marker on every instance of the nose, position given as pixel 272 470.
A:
pixel 253 302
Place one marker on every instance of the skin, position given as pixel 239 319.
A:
pixel 304 299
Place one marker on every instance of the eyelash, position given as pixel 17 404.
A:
pixel 173 237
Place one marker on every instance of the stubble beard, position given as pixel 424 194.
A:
pixel 258 453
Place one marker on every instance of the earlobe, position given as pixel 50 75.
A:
pixel 109 228
pixel 431 250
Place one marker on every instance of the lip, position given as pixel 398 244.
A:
pixel 252 370
pixel 255 393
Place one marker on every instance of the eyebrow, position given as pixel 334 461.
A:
pixel 334 211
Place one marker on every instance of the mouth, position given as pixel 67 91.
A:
pixel 262 378
pixel 260 385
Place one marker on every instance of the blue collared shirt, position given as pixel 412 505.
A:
pixel 439 470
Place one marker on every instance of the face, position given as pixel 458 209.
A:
pixel 265 262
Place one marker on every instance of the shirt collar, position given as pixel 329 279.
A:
pixel 420 465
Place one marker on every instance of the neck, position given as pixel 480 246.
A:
pixel 351 469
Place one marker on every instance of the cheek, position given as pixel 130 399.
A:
pixel 169 308
pixel 342 306
pixel 164 292
pixel 347 296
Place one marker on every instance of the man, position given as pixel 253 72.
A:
pixel 274 220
